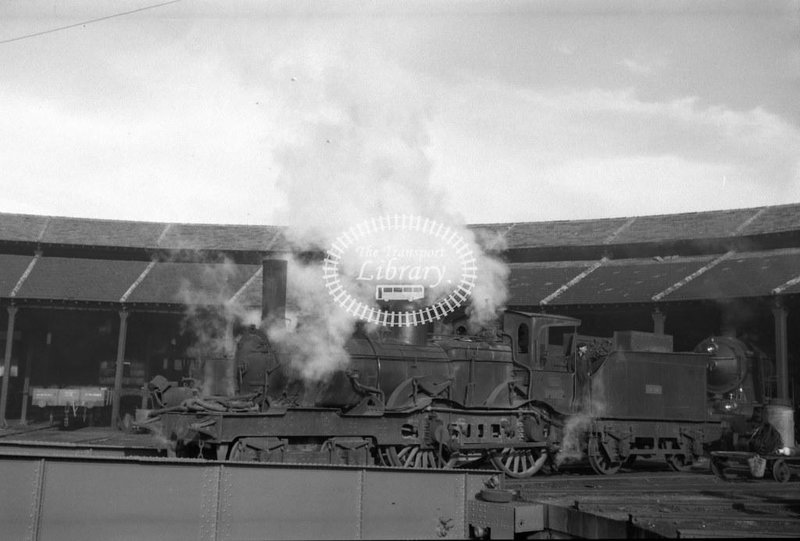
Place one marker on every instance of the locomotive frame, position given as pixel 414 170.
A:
pixel 522 398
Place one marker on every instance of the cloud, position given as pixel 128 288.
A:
pixel 160 133
pixel 636 67
pixel 565 48
pixel 585 153
pixel 185 119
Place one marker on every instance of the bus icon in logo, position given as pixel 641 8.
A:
pixel 401 259
pixel 402 292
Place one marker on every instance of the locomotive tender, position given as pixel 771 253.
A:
pixel 528 395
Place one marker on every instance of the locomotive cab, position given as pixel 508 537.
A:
pixel 545 346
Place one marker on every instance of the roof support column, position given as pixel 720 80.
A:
pixel 12 315
pixel 26 388
pixel 658 321
pixel 123 334
pixel 781 351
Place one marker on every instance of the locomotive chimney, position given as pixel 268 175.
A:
pixel 273 293
pixel 413 335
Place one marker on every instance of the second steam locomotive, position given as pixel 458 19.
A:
pixel 528 395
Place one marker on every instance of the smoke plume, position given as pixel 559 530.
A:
pixel 578 427
pixel 360 155
pixel 574 438
pixel 211 311
pixel 314 338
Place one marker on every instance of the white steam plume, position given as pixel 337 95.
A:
pixel 577 427
pixel 317 329
pixel 361 156
pixel 491 290
pixel 210 312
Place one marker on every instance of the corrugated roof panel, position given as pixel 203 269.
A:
pixel 115 233
pixel 693 225
pixel 529 283
pixel 11 268
pixel 21 227
pixel 563 233
pixel 192 283
pixel 629 280
pixel 775 220
pixel 99 280
pixel 219 237
pixel 751 274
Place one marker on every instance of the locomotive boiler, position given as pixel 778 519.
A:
pixel 530 393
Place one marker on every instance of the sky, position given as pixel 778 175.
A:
pixel 253 112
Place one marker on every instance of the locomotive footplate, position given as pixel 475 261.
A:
pixel 427 438
pixel 310 429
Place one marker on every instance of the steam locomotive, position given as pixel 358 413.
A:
pixel 527 395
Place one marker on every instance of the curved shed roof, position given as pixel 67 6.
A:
pixel 720 276
pixel 45 230
pixel 134 283
pixel 661 228
pixel 92 275
pixel 597 232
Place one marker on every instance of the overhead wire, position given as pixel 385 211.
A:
pixel 90 21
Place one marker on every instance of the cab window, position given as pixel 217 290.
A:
pixel 523 337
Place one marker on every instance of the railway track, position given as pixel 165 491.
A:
pixel 88 441
pixel 645 503
pixel 645 500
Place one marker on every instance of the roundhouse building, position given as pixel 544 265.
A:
pixel 112 303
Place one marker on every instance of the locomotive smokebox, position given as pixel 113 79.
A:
pixel 273 293
pixel 728 367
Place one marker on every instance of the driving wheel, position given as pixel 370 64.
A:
pixel 680 463
pixel 519 463
pixel 413 456
pixel 599 459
